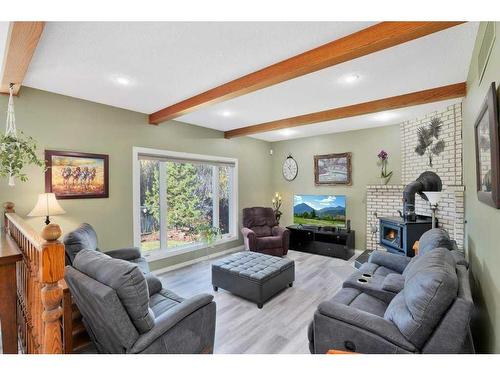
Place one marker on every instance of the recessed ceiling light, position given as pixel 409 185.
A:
pixel 226 113
pixel 121 80
pixel 385 116
pixel 350 78
pixel 287 132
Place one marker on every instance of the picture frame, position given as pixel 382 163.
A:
pixel 486 134
pixel 333 169
pixel 76 175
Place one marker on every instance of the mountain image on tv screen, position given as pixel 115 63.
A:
pixel 320 210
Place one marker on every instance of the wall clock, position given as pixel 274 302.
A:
pixel 290 168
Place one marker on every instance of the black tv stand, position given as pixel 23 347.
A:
pixel 329 241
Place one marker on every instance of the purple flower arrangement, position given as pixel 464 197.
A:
pixel 383 157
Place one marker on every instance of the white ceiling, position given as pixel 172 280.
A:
pixel 166 62
pixel 436 60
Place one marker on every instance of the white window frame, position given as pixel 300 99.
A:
pixel 233 202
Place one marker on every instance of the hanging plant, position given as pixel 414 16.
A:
pixel 16 151
pixel 428 141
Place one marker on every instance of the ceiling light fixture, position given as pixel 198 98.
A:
pixel 385 116
pixel 226 113
pixel 349 78
pixel 123 81
pixel 288 132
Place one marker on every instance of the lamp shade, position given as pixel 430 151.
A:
pixel 47 205
pixel 433 197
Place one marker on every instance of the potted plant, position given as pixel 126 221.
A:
pixel 209 235
pixel 15 154
pixel 385 176
pixel 16 151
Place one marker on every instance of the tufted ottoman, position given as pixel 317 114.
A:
pixel 254 276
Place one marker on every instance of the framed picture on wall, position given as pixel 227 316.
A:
pixel 488 151
pixel 333 169
pixel 76 175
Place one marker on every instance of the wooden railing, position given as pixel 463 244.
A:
pixel 39 292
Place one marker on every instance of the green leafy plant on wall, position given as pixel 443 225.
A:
pixel 428 142
pixel 16 151
pixel 15 154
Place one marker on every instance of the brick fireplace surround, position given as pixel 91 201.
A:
pixel 385 200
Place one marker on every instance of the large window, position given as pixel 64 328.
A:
pixel 177 194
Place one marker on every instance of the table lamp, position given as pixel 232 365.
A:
pixel 433 197
pixel 47 206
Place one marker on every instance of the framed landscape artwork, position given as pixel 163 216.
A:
pixel 76 175
pixel 488 151
pixel 333 169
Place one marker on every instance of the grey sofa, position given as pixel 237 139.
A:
pixel 426 309
pixel 85 237
pixel 126 311
pixel 383 263
pixel 262 233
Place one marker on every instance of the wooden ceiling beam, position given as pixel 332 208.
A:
pixel 21 45
pixel 372 39
pixel 437 94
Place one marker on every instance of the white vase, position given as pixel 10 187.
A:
pixel 12 181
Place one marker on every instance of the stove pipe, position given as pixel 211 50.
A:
pixel 427 181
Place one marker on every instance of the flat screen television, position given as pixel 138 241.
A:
pixel 319 210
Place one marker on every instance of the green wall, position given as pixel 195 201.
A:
pixel 364 145
pixel 483 222
pixel 63 123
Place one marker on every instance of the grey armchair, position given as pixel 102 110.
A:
pixel 85 237
pixel 262 233
pixel 383 263
pixel 126 311
pixel 430 314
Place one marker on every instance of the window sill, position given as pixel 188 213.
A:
pixel 153 255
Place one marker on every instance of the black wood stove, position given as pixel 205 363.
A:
pixel 398 235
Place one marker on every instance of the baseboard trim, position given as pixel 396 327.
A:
pixel 197 260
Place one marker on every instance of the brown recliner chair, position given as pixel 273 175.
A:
pixel 262 233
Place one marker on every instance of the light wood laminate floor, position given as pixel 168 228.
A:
pixel 281 325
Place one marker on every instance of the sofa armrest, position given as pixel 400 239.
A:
pixel 280 231
pixel 125 253
pixel 284 233
pixel 366 322
pixel 394 262
pixel 250 238
pixel 459 258
pixel 154 283
pixel 393 283
pixel 169 319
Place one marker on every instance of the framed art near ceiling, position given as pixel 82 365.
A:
pixel 488 151
pixel 332 169
pixel 76 175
